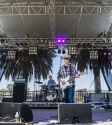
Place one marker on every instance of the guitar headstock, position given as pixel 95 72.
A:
pixel 83 73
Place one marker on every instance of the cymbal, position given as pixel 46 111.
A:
pixel 38 82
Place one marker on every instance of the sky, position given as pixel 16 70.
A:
pixel 85 81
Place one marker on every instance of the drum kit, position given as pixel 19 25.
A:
pixel 48 93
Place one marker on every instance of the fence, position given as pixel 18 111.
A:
pixel 31 95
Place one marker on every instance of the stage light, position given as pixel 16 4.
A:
pixel 93 54
pixel 84 45
pixel 59 51
pixel 21 45
pixel 109 53
pixel 4 53
pixel 52 44
pixel 33 50
pixel 105 53
pixel 89 45
pixel 11 54
pixel 16 45
pixel 63 51
pixel 60 41
pixel 79 45
pixel 72 49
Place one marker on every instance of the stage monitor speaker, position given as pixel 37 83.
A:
pixel 19 92
pixel 97 97
pixel 72 113
pixel 8 110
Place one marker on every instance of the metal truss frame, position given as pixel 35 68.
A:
pixel 46 43
pixel 61 8
pixel 51 7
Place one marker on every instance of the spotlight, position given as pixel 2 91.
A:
pixel 33 50
pixel 21 45
pixel 63 51
pixel 16 45
pixel 59 51
pixel 105 53
pixel 79 45
pixel 109 53
pixel 84 45
pixel 60 41
pixel 4 53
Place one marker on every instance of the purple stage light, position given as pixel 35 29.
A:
pixel 16 45
pixel 109 53
pixel 61 41
pixel 4 53
pixel 21 45
pixel 105 53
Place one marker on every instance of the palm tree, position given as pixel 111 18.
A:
pixel 25 65
pixel 84 60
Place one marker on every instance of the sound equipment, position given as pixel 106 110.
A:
pixel 72 113
pixel 7 99
pixel 97 97
pixel 9 110
pixel 19 92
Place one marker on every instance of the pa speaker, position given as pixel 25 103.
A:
pixel 19 92
pixel 73 113
pixel 8 110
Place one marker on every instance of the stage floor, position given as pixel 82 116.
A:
pixel 46 114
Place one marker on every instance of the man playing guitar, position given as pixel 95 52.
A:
pixel 67 70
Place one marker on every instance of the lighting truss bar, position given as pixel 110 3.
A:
pixel 96 43
pixel 52 17
pixel 61 8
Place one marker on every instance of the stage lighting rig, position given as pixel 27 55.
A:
pixel 32 50
pixel 93 54
pixel 72 50
pixel 11 54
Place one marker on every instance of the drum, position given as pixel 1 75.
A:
pixel 51 95
pixel 43 87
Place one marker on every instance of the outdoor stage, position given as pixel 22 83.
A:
pixel 46 114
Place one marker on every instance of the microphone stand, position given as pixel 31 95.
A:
pixel 58 78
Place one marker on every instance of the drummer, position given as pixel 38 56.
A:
pixel 51 83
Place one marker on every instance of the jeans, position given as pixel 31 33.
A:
pixel 69 95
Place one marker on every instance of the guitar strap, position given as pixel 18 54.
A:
pixel 70 72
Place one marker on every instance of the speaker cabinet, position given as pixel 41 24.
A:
pixel 9 110
pixel 97 97
pixel 19 92
pixel 73 113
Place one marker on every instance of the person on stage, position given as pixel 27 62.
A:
pixel 51 83
pixel 68 69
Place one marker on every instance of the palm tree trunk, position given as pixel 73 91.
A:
pixel 97 81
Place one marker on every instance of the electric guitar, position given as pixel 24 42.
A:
pixel 68 81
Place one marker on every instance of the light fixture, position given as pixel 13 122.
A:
pixel 72 49
pixel 59 51
pixel 32 50
pixel 4 53
pixel 63 51
pixel 11 54
pixel 21 45
pixel 93 54
pixel 16 45
pixel 60 41
pixel 107 53
pixel 52 44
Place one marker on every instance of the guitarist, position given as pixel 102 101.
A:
pixel 68 69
